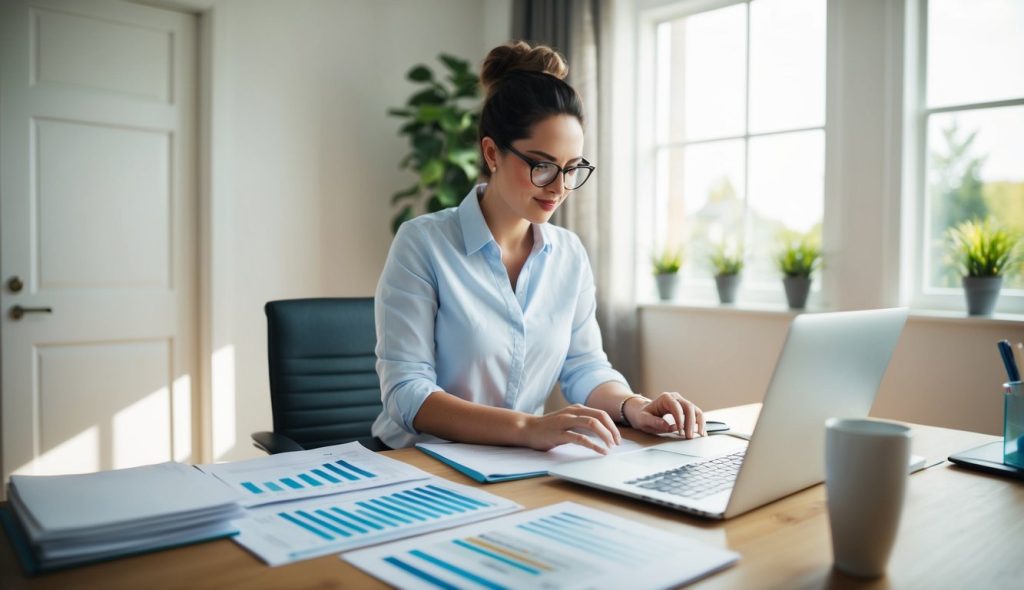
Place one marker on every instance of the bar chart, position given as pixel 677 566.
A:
pixel 560 546
pixel 283 533
pixel 317 472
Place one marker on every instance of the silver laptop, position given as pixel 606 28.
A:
pixel 831 365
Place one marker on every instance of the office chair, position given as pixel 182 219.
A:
pixel 324 388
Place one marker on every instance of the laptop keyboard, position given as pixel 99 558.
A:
pixel 695 480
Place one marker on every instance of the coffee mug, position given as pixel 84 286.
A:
pixel 866 464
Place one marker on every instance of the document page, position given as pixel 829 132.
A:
pixel 565 545
pixel 292 531
pixel 304 474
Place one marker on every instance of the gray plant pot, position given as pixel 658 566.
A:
pixel 982 294
pixel 727 286
pixel 797 289
pixel 667 284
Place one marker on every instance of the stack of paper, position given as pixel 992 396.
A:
pixel 71 519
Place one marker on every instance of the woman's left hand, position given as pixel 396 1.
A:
pixel 649 417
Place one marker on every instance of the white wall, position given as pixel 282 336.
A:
pixel 944 372
pixel 303 160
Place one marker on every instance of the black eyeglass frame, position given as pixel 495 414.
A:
pixel 584 165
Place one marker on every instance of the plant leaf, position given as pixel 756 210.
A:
pixel 414 190
pixel 404 215
pixel 456 65
pixel 431 172
pixel 400 112
pixel 420 73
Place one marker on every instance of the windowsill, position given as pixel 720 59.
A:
pixel 925 315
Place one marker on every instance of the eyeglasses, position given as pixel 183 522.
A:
pixel 544 173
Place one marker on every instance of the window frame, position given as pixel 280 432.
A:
pixel 921 294
pixel 650 14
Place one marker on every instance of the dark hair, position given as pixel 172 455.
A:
pixel 523 85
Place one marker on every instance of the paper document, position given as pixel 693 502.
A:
pixel 317 472
pixel 283 533
pixel 560 546
pixel 488 464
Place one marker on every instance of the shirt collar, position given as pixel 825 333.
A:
pixel 476 234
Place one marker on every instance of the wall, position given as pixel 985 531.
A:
pixel 945 371
pixel 302 162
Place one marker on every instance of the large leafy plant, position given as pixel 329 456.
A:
pixel 442 132
pixel 983 249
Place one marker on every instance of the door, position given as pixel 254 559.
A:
pixel 98 227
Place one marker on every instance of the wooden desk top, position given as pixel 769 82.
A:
pixel 959 529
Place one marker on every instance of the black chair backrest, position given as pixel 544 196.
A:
pixel 324 388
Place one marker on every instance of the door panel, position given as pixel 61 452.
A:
pixel 98 221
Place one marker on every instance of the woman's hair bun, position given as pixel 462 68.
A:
pixel 520 56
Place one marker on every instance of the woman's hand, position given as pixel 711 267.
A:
pixel 649 417
pixel 569 425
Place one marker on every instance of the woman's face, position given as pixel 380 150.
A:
pixel 557 139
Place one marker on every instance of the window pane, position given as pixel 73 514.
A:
pixel 706 81
pixel 712 195
pixel 787 176
pixel 975 169
pixel 975 51
pixel 787 64
pixel 699 201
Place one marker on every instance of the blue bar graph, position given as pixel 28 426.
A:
pixel 337 473
pixel 386 512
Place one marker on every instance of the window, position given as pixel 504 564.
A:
pixel 970 126
pixel 732 150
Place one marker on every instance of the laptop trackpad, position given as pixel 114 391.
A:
pixel 655 459
pixel 705 446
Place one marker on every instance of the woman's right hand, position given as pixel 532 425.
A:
pixel 571 425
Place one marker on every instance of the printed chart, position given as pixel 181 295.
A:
pixel 283 533
pixel 305 474
pixel 561 546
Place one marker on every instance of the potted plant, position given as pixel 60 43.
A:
pixel 727 266
pixel 442 131
pixel 983 252
pixel 799 258
pixel 666 267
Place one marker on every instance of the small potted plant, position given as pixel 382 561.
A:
pixel 727 266
pixel 799 258
pixel 666 267
pixel 984 253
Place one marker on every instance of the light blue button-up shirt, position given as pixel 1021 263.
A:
pixel 449 320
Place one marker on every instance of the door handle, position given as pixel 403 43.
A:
pixel 17 312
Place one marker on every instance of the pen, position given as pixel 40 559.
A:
pixel 1011 366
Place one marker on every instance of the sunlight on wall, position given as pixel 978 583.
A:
pixel 141 432
pixel 181 414
pixel 223 403
pixel 79 454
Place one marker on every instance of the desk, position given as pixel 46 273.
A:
pixel 959 529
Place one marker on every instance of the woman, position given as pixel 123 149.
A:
pixel 482 308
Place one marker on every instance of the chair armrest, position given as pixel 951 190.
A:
pixel 273 443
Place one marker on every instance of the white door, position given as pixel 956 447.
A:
pixel 98 227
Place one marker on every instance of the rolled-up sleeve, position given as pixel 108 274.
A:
pixel 405 308
pixel 586 365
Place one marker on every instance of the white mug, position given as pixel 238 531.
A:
pixel 866 465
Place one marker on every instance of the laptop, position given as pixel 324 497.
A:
pixel 831 365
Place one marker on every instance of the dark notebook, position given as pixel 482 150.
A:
pixel 987 458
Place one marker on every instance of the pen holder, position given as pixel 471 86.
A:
pixel 1013 423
